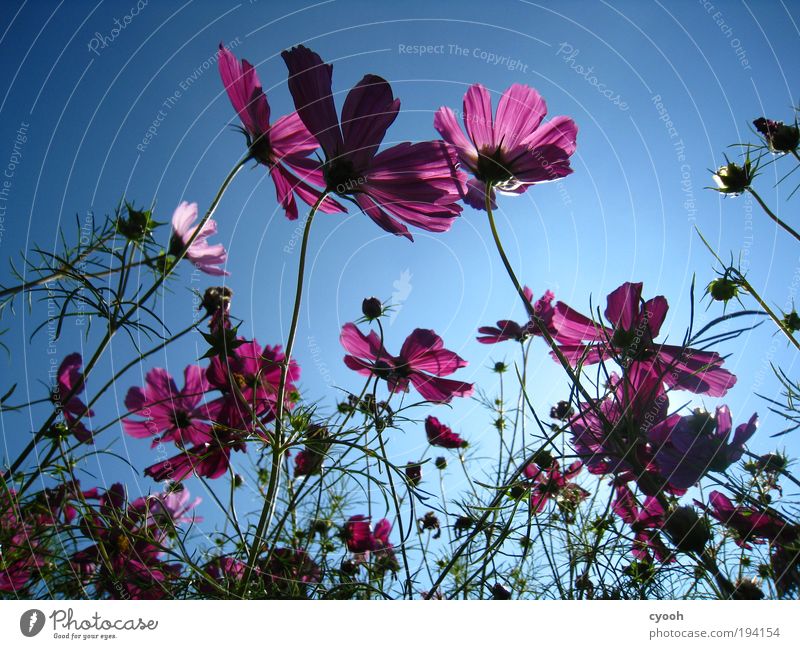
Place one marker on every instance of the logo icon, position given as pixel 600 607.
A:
pixel 31 622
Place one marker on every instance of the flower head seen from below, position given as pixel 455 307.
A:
pixel 510 330
pixel 176 416
pixel 283 147
pixel 684 451
pixel 70 381
pixel 206 257
pixel 630 341
pixel 442 436
pixel 423 362
pixel 780 137
pixel 406 184
pixel 733 179
pixel 511 149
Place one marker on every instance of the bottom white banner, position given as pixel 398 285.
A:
pixel 397 624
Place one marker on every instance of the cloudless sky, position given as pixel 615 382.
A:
pixel 83 97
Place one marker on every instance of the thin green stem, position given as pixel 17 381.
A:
pixel 278 449
pixel 772 215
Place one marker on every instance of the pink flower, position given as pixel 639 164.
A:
pixel 631 342
pixel 176 416
pixel 422 362
pixel 358 534
pixel 441 435
pixel 646 522
pixel 69 378
pixel 510 330
pixel 684 451
pixel 511 150
pixel 361 540
pixel 19 552
pixel 204 256
pixel 132 546
pixel 748 523
pixel 255 373
pixel 550 483
pixel 210 459
pixel 415 184
pixel 283 147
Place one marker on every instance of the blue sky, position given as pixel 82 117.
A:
pixel 83 97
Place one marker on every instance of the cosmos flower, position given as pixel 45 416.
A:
pixel 441 435
pixel 512 149
pixel 551 483
pixel 209 459
pixel 129 566
pixel 422 362
pixel 283 147
pixel 173 415
pixel 69 378
pixel 510 330
pixel 252 374
pixel 646 522
pixel 697 444
pixel 631 342
pixel 406 184
pixel 747 523
pixel 204 256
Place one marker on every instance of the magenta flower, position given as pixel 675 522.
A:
pixel 224 574
pixel 441 435
pixel 747 523
pixel 19 553
pixel 132 545
pixel 175 416
pixel 696 444
pixel 358 534
pixel 511 150
pixel 616 441
pixel 510 330
pixel 422 361
pixel 631 342
pixel 646 522
pixel 210 459
pixel 252 374
pixel 204 256
pixel 550 483
pixel 68 379
pixel 283 147
pixel 414 184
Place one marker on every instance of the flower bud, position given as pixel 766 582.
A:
pixel 686 530
pixel 414 473
pixel 372 308
pixel 562 411
pixel 723 289
pixel 779 137
pixel 500 592
pixel 792 321
pixel 732 178
pixel 440 463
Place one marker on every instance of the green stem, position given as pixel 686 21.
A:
pixel 772 215
pixel 773 316
pixel 278 449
